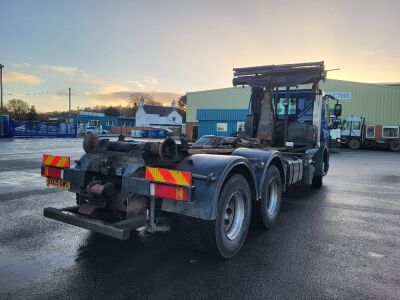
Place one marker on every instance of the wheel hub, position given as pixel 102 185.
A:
pixel 234 215
pixel 272 195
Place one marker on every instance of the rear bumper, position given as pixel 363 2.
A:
pixel 120 230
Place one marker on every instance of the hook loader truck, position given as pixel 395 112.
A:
pixel 208 195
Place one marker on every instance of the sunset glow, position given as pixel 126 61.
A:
pixel 105 50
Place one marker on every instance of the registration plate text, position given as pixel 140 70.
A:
pixel 58 182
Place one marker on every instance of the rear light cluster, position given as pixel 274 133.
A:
pixel 52 172
pixel 169 192
pixel 169 184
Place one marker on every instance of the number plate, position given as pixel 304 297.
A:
pixel 58 182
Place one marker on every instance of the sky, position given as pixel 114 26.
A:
pixel 105 50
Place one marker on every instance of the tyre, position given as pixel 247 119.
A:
pixel 270 203
pixel 226 234
pixel 394 146
pixel 233 217
pixel 317 180
pixel 354 144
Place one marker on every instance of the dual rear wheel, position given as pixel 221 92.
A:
pixel 226 234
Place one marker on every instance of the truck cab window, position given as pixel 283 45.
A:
pixel 280 109
pixel 356 125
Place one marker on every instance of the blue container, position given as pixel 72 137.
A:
pixel 220 122
pixel 4 126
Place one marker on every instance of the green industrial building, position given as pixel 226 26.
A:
pixel 379 104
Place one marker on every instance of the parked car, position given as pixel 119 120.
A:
pixel 212 141
pixel 95 130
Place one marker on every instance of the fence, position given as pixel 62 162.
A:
pixel 41 129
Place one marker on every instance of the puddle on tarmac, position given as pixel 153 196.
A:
pixel 15 271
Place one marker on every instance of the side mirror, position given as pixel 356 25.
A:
pixel 337 111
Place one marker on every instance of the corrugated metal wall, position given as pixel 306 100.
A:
pixel 209 118
pixel 378 104
pixel 227 98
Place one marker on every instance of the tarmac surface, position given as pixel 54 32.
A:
pixel 342 241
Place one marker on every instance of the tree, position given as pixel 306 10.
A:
pixel 112 111
pixel 17 109
pixel 32 115
pixel 134 100
pixel 181 107
pixel 126 111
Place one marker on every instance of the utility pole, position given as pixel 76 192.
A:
pixel 77 122
pixel 69 105
pixel 1 86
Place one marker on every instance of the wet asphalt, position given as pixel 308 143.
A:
pixel 342 241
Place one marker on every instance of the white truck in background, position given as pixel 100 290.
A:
pixel 355 133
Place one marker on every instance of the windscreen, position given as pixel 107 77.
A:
pixel 300 106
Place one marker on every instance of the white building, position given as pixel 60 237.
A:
pixel 157 116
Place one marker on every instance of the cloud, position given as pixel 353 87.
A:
pixel 60 69
pixel 112 88
pixel 110 94
pixel 373 52
pixel 150 79
pixel 118 95
pixel 137 84
pixel 21 78
pixel 143 83
pixel 22 65
pixel 165 97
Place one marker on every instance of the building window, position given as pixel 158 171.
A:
pixel 123 123
pixel 94 122
pixel 173 119
pixel 390 132
pixel 109 123
pixel 222 127
pixel 240 126
pixel 370 132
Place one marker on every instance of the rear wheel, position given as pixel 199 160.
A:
pixel 394 146
pixel 233 217
pixel 354 144
pixel 226 234
pixel 270 202
pixel 317 181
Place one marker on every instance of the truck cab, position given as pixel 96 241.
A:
pixel 351 132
